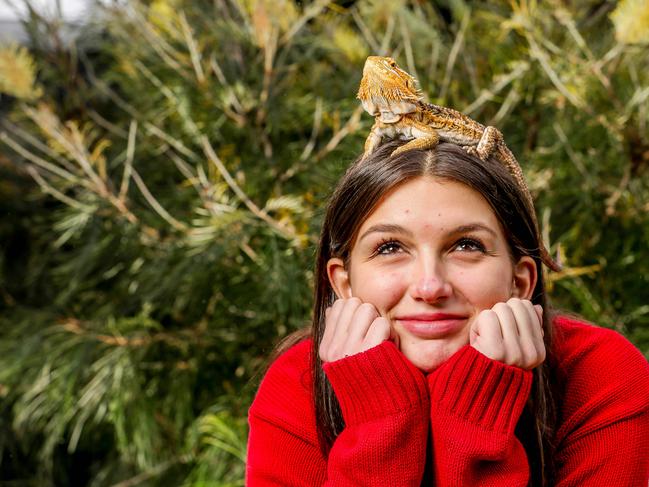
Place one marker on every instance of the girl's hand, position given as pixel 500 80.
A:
pixel 511 333
pixel 352 327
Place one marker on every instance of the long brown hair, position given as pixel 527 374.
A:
pixel 358 192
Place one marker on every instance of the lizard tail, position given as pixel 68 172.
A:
pixel 516 171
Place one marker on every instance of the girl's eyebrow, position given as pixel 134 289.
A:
pixel 394 228
pixel 386 228
pixel 473 227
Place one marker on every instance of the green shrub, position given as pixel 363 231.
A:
pixel 163 182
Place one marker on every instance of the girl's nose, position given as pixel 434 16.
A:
pixel 430 285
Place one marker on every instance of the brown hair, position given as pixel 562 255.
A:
pixel 359 191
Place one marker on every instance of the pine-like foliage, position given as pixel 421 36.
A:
pixel 163 182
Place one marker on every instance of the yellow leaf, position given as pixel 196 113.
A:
pixel 163 15
pixel 350 44
pixel 269 16
pixel 631 20
pixel 18 73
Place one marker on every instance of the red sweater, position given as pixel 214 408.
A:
pixel 469 406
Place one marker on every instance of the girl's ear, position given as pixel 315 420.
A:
pixel 339 278
pixel 525 277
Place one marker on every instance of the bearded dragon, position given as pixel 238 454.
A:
pixel 392 96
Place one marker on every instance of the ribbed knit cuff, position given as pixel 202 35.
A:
pixel 485 392
pixel 376 383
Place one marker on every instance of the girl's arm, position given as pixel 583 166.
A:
pixel 384 402
pixel 283 441
pixel 603 436
pixel 475 405
pixel 478 395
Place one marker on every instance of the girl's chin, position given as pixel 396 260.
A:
pixel 429 356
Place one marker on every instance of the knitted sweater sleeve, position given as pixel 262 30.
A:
pixel 603 435
pixel 384 402
pixel 475 405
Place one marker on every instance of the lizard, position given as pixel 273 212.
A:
pixel 392 96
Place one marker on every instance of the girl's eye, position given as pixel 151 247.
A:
pixel 388 248
pixel 469 245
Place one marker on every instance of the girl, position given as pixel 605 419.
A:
pixel 433 358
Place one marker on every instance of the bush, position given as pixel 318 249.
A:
pixel 164 177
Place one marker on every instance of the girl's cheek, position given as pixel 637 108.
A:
pixel 391 289
pixel 383 289
pixel 484 293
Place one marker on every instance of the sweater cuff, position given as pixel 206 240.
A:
pixel 376 383
pixel 480 390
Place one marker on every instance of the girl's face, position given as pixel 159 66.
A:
pixel 430 257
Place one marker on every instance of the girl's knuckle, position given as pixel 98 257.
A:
pixel 530 352
pixel 514 357
pixel 368 309
pixel 381 324
pixel 488 316
pixel 354 301
pixel 542 354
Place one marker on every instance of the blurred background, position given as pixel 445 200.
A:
pixel 164 167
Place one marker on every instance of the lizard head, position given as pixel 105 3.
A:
pixel 385 87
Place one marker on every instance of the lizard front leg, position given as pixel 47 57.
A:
pixel 373 139
pixel 425 137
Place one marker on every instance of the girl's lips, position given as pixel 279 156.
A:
pixel 432 326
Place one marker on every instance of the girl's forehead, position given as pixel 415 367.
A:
pixel 428 197
pixel 428 207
